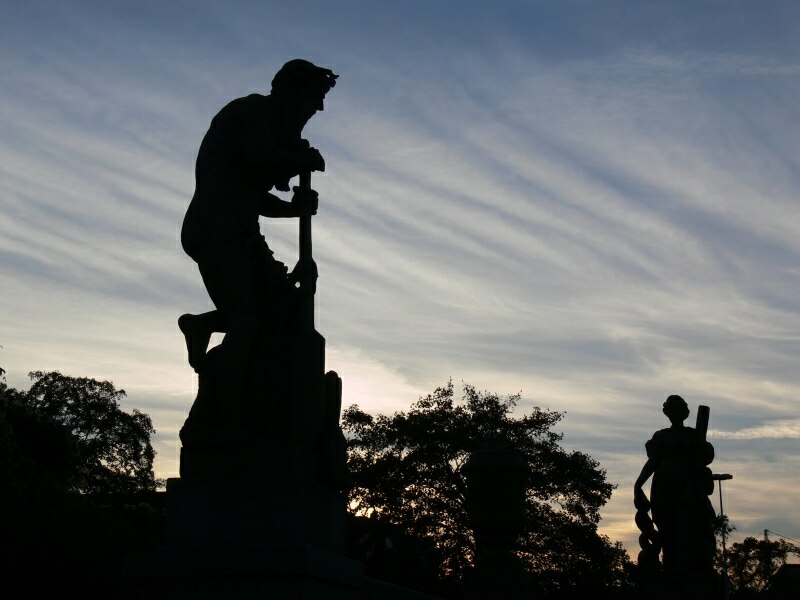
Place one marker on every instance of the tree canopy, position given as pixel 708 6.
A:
pixel 109 448
pixel 752 562
pixel 78 484
pixel 406 477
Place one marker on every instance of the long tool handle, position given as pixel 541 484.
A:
pixel 308 281
pixel 703 414
pixel 305 223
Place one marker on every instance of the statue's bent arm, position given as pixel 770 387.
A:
pixel 647 470
pixel 639 497
pixel 302 205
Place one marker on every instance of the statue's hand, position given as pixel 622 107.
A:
pixel 304 274
pixel 305 201
pixel 312 160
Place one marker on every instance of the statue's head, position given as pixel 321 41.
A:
pixel 675 408
pixel 303 85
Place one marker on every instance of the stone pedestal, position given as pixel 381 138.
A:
pixel 250 519
pixel 669 588
pixel 496 477
pixel 243 513
pixel 280 535
pixel 276 571
pixel 261 494
pixel 500 578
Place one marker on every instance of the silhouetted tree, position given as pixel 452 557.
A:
pixel 406 477
pixel 114 453
pixel 38 455
pixel 77 484
pixel 752 562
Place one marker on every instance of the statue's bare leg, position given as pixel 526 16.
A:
pixel 236 361
pixel 197 330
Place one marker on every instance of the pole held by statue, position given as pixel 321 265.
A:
pixel 305 264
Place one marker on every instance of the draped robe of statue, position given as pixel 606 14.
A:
pixel 679 497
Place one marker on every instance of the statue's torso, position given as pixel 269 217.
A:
pixel 229 175
pixel 680 457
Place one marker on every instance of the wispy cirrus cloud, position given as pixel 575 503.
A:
pixel 776 430
pixel 572 205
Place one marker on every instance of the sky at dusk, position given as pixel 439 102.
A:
pixel 592 203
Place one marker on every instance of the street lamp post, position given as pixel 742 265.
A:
pixel 720 477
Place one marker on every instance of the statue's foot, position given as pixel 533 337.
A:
pixel 198 335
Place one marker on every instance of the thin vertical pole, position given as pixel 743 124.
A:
pixel 305 222
pixel 726 588
pixel 308 282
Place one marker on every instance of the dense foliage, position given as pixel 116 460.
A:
pixel 109 448
pixel 752 562
pixel 78 490
pixel 406 477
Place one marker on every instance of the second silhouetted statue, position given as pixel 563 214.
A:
pixel 678 459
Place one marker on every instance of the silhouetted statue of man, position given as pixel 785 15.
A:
pixel 253 145
pixel 678 459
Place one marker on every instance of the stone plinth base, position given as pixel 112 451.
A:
pixel 501 577
pixel 253 524
pixel 274 571
pixel 288 511
pixel 667 588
